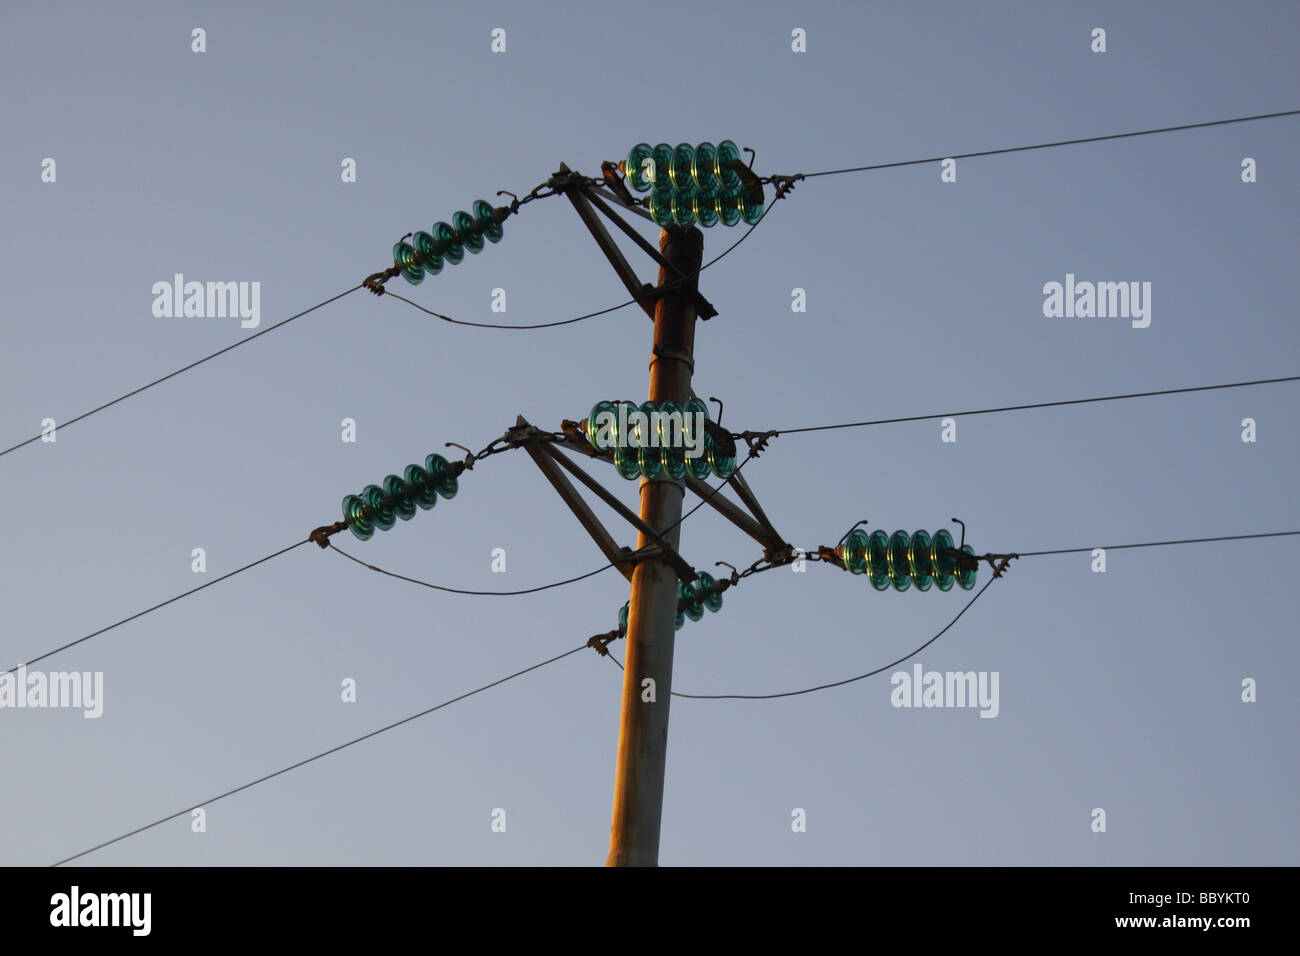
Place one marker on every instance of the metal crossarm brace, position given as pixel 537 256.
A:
pixel 684 571
pixel 586 203
pixel 613 197
pixel 703 307
pixel 621 557
pixel 643 293
pixel 746 495
pixel 770 540
pixel 763 533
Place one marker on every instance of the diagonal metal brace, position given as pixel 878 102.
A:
pixel 769 539
pixel 747 497
pixel 586 203
pixel 621 557
pixel 680 566
pixel 643 294
pixel 703 308
pixel 762 532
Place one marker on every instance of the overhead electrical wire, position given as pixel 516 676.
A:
pixel 808 690
pixel 703 501
pixel 275 554
pixel 1014 408
pixel 447 318
pixel 1050 145
pixel 1158 544
pixel 324 753
pixel 838 683
pixel 965 608
pixel 157 381
pixel 544 587
pixel 787 179
pixel 491 325
pixel 536 193
pixel 405 720
pixel 356 740
pixel 857 169
pixel 441 587
pixel 588 315
pixel 171 600
pixel 575 650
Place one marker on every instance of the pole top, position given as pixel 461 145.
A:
pixel 690 239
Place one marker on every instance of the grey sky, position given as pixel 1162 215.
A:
pixel 1118 690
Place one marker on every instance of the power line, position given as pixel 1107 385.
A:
pixel 349 743
pixel 291 547
pixel 137 391
pixel 838 683
pixel 575 650
pixel 490 325
pixel 703 501
pixel 827 172
pixel 323 753
pixel 854 169
pixel 709 497
pixel 1061 142
pixel 1022 554
pixel 536 193
pixel 439 587
pixel 682 518
pixel 858 169
pixel 726 251
pixel 1014 408
pixel 544 587
pixel 1160 544
pixel 299 544
pixel 171 600
pixel 588 315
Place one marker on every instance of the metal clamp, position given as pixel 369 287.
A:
pixel 375 283
pixel 666 352
pixel 322 534
pixel 600 642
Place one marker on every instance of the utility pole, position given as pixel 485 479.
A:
pixel 652 611
pixel 656 569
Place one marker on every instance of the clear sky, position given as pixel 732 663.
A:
pixel 1120 691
